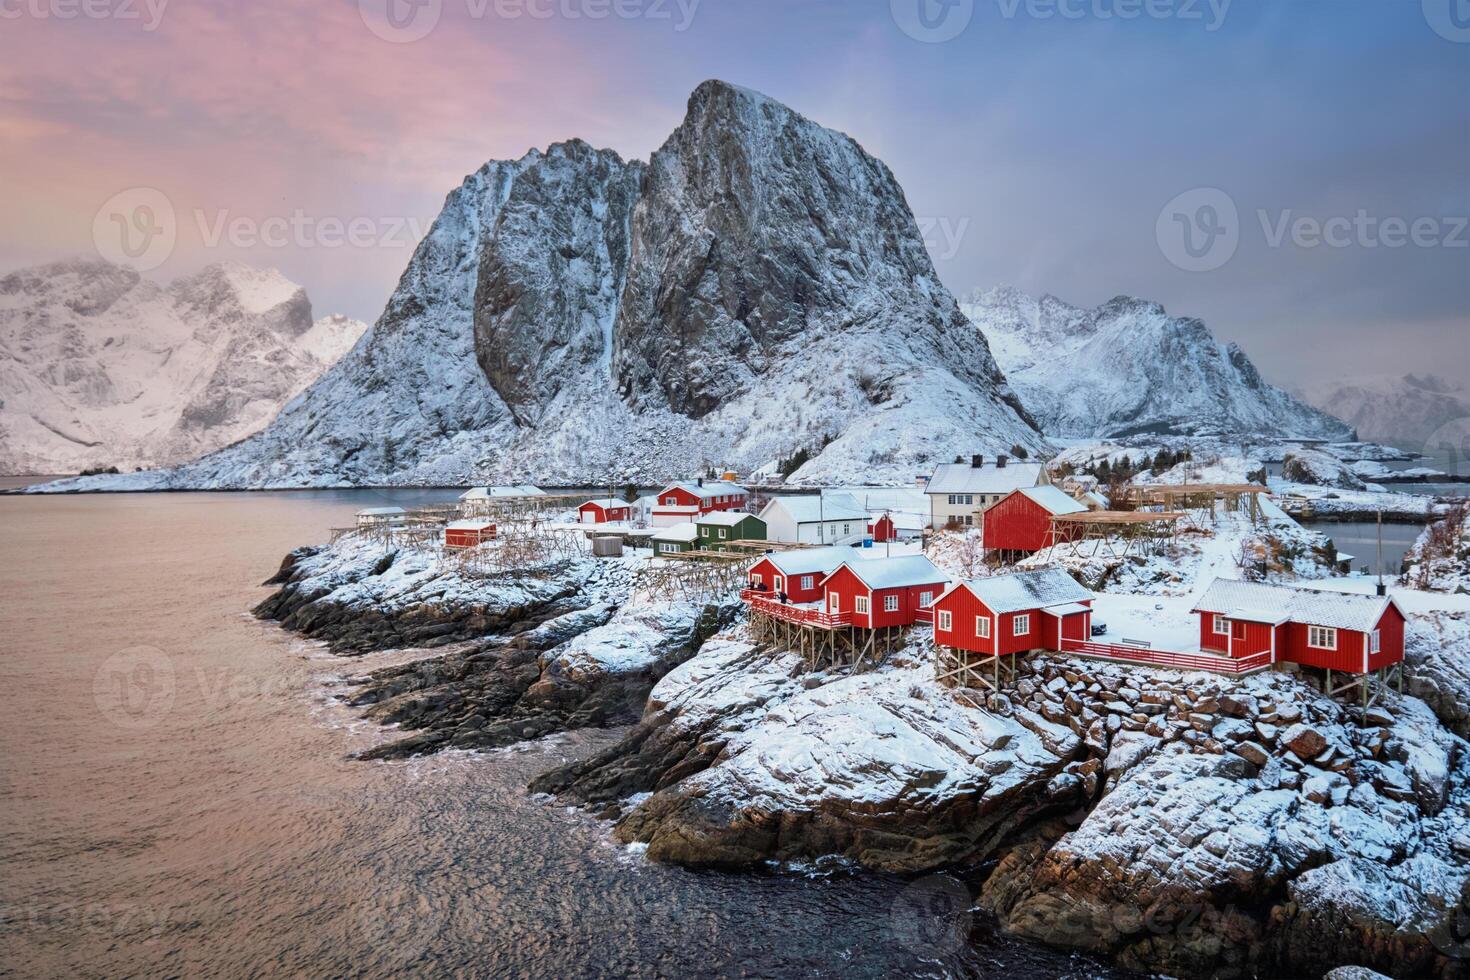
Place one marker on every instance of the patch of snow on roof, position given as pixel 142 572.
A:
pixel 812 509
pixel 1053 500
pixel 805 561
pixel 678 532
pixel 724 518
pixel 964 478
pixel 1027 590
pixel 710 488
pixel 897 573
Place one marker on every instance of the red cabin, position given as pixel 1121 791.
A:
pixel 1020 522
pixel 883 529
pixel 468 533
pixel 798 574
pixel 680 503
pixel 606 511
pixel 1314 627
pixel 1010 614
pixel 884 592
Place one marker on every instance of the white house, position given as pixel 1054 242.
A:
pixel 381 516
pixel 815 519
pixel 959 492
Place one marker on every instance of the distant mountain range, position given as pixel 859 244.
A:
pixel 100 367
pixel 1413 410
pixel 1129 368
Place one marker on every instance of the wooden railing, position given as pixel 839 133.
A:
pixel 809 615
pixel 1168 658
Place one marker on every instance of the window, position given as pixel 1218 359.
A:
pixel 666 547
pixel 670 501
pixel 946 619
pixel 808 583
pixel 926 599
pixel 890 603
pixel 1374 641
pixel 758 580
pixel 1021 625
pixel 860 605
pixel 982 627
pixel 723 533
pixel 969 520
pixel 1221 625
pixel 778 583
pixel 847 529
pixel 1322 637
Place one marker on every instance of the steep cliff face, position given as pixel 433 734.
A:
pixel 1128 367
pixel 101 367
pixel 759 287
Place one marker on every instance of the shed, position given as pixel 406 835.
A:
pixel 1009 614
pixel 607 510
pixel 718 529
pixel 468 533
pixel 1021 523
pixel 798 574
pixel 675 539
pixel 381 516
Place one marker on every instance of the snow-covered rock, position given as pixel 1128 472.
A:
pixel 1440 559
pixel 758 287
pixel 1319 469
pixel 1128 367
pixel 100 367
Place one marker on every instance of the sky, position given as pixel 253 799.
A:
pixel 1294 172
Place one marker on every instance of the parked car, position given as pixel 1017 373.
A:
pixel 1099 627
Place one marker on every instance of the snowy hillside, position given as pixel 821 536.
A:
pixel 758 287
pixel 1412 410
pixel 100 367
pixel 1127 367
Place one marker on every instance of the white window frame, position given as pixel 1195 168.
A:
pixel 1220 626
pixel 723 534
pixel 860 605
pixel 834 604
pixel 946 620
pixel 757 579
pixel 1316 635
pixel 982 627
pixel 778 584
pixel 1020 620
pixel 808 582
pixel 890 603
pixel 926 599
pixel 667 547
pixel 1375 642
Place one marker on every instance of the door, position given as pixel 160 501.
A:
pixel 834 603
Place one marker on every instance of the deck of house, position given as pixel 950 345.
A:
pixel 1146 656
pixel 799 613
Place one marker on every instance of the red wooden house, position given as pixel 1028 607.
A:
pixel 679 503
pixel 605 511
pixel 796 574
pixel 470 533
pixel 884 592
pixel 1339 631
pixel 883 529
pixel 1021 521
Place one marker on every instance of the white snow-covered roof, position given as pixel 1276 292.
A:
pixel 1257 602
pixel 897 573
pixel 710 488
pixel 806 561
pixel 1035 589
pixel 606 503
pixel 473 524
pixel 515 490
pixel 678 532
pixel 381 511
pixel 723 518
pixel 964 478
pixel 814 509
pixel 1066 609
pixel 1053 500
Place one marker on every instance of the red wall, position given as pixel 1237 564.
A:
pixel 604 514
pixel 882 529
pixel 1390 639
pixel 1209 640
pixel 459 538
pixel 965 607
pixel 794 593
pixel 1017 523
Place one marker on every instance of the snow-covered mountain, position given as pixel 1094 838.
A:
pixel 1410 410
pixel 1127 367
pixel 101 367
pixel 758 287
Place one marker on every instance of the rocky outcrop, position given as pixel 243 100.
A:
pixel 1319 469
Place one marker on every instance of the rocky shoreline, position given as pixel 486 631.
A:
pixel 1180 823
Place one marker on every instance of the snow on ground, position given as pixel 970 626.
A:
pixel 1333 502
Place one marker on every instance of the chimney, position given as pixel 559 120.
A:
pixel 701 481
pixel 1000 462
pixel 977 461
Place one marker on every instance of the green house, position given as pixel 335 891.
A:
pixel 675 540
pixel 718 529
